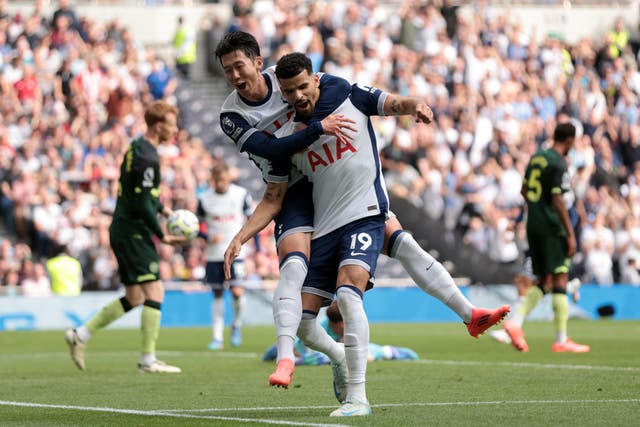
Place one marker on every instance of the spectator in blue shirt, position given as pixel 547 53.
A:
pixel 161 81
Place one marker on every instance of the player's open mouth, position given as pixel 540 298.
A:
pixel 241 86
pixel 302 105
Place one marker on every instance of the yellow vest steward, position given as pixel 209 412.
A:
pixel 186 46
pixel 66 275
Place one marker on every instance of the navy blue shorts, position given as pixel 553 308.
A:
pixel 296 214
pixel 357 243
pixel 214 274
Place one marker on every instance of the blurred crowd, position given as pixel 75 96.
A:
pixel 72 95
pixel 73 91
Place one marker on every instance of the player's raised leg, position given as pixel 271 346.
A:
pixel 431 276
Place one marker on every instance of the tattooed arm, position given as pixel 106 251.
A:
pixel 396 105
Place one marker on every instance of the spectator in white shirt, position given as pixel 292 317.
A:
pixel 598 249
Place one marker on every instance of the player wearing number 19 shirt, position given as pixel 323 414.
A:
pixel 351 206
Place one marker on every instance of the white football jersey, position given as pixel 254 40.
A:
pixel 223 214
pixel 346 174
pixel 267 116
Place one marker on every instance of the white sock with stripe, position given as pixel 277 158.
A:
pixel 429 274
pixel 356 340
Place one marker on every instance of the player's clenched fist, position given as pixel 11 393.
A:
pixel 424 113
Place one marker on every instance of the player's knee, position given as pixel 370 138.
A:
pixel 543 288
pixel 347 296
pixel 134 299
pixel 306 327
pixel 286 312
pixel 296 242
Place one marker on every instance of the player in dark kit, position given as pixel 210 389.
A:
pixel 551 239
pixel 134 224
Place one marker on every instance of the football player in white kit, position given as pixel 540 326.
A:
pixel 245 110
pixel 249 116
pixel 223 208
pixel 351 204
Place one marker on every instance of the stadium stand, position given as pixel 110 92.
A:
pixel 72 93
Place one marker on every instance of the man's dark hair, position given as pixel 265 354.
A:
pixel 293 64
pixel 563 132
pixel 238 40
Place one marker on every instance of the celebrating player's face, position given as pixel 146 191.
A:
pixel 241 72
pixel 301 92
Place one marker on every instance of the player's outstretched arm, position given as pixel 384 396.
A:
pixel 266 210
pixel 396 105
pixel 255 142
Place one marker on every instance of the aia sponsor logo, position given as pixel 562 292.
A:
pixel 329 153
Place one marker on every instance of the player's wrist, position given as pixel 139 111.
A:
pixel 316 129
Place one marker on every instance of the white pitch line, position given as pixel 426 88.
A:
pixel 407 404
pixel 508 402
pixel 248 355
pixel 529 365
pixel 48 354
pixel 163 414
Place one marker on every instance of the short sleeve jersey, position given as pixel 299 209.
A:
pixel 347 179
pixel 223 214
pixel 545 176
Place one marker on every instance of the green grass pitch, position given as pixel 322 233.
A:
pixel 459 381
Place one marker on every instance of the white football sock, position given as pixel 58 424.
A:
pixel 147 359
pixel 316 338
pixel 517 318
pixel 238 307
pixel 287 303
pixel 218 318
pixel 561 337
pixel 430 275
pixel 356 341
pixel 83 333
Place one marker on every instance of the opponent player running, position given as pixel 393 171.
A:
pixel 243 114
pixel 551 240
